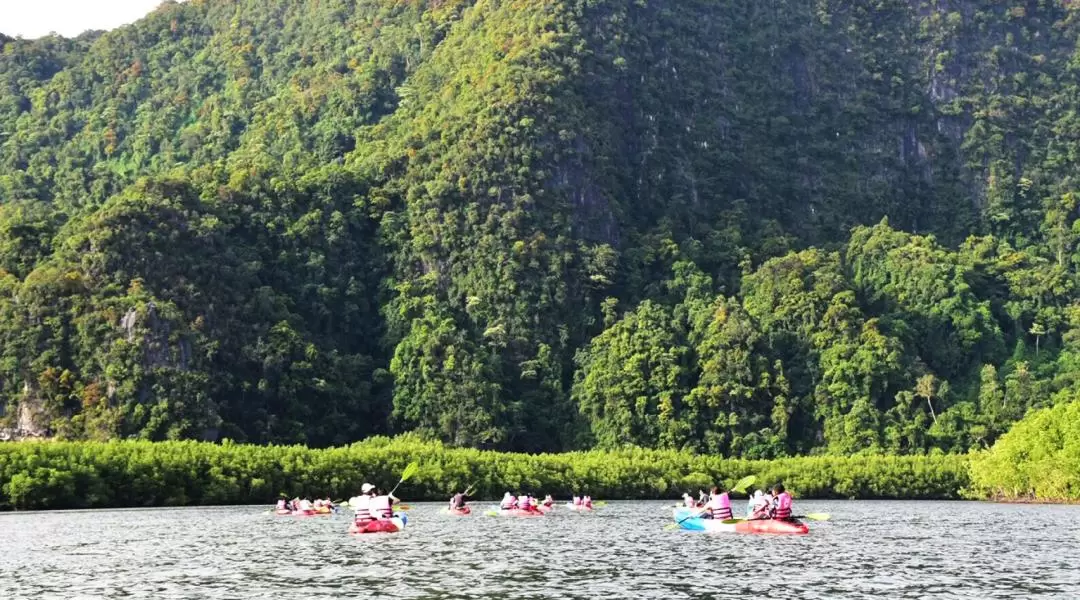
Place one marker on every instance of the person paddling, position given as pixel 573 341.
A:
pixel 457 502
pixel 508 501
pixel 362 505
pixel 781 504
pixel 719 505
pixel 548 501
pixel 762 505
pixel 382 506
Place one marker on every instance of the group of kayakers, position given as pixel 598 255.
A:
pixel 763 504
pixel 304 504
pixel 581 502
pixel 525 502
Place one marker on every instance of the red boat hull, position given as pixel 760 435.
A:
pixel 374 527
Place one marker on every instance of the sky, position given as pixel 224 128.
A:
pixel 69 18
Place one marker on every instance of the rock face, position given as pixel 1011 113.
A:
pixel 29 421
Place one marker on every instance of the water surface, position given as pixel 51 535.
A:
pixel 867 550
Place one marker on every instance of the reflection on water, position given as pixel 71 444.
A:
pixel 868 550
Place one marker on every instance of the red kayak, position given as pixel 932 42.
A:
pixel 772 526
pixel 379 526
pixel 460 512
pixel 517 512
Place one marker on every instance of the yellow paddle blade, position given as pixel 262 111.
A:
pixel 410 470
pixel 744 483
pixel 818 516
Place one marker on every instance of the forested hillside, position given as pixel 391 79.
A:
pixel 756 229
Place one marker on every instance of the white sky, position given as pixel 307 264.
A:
pixel 69 18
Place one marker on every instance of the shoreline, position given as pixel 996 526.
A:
pixel 132 474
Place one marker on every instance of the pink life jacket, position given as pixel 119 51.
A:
pixel 783 506
pixel 363 509
pixel 381 508
pixel 720 506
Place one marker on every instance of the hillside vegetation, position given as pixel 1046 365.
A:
pixel 751 229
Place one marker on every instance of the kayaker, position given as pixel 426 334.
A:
pixel 382 506
pixel 762 505
pixel 719 505
pixel 548 501
pixel 508 501
pixel 587 502
pixel 702 499
pixel 782 503
pixel 688 500
pixel 577 500
pixel 281 504
pixel 362 505
pixel 305 505
pixel 457 502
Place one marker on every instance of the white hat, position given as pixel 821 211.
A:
pixel 367 487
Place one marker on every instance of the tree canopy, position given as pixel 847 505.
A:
pixel 753 230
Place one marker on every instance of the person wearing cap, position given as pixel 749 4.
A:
pixel 508 501
pixel 362 504
pixel 762 505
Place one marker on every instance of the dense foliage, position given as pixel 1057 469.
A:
pixel 1037 460
pixel 751 229
pixel 135 473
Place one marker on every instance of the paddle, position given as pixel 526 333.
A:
pixel 740 487
pixel 810 516
pixel 407 473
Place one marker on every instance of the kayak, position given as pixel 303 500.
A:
pixel 578 507
pixel 460 512
pixel 545 509
pixel 282 512
pixel 393 525
pixel 775 526
pixel 517 512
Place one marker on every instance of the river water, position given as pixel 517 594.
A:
pixel 867 550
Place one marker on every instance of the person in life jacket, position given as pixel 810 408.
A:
pixel 688 500
pixel 781 503
pixel 525 502
pixel 549 501
pixel 382 506
pixel 305 505
pixel 457 502
pixel 281 504
pixel 751 502
pixel 719 505
pixel 362 504
pixel 577 500
pixel 508 501
pixel 587 501
pixel 762 506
